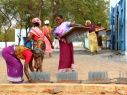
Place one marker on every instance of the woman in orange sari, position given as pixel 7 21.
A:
pixel 46 29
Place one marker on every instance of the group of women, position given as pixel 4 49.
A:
pixel 13 54
pixel 42 44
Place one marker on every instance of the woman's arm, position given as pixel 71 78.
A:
pixel 31 66
pixel 26 65
pixel 72 24
pixel 57 37
pixel 29 38
pixel 62 39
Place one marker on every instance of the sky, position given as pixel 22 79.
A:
pixel 113 2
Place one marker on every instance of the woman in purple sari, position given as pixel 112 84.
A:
pixel 66 61
pixel 12 55
pixel 14 65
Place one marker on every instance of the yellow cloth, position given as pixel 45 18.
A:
pixel 51 34
pixel 93 42
pixel 49 27
pixel 19 51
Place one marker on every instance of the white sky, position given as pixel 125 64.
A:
pixel 113 2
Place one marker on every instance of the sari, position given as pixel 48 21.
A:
pixel 12 56
pixel 40 40
pixel 42 43
pixel 99 37
pixel 66 61
pixel 47 32
pixel 93 43
pixel 14 65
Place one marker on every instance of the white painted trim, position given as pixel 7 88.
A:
pixel 16 79
pixel 126 53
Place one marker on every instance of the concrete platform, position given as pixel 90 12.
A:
pixel 67 76
pixel 44 76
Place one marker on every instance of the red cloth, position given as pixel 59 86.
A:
pixel 66 55
pixel 91 27
pixel 28 55
pixel 35 37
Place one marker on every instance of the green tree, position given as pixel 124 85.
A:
pixel 77 10
pixel 11 35
pixel 6 13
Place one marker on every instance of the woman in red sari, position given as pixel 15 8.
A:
pixel 66 62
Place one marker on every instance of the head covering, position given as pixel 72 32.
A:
pixel 87 21
pixel 46 22
pixel 36 20
pixel 99 23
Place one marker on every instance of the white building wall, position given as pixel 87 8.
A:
pixel 23 34
pixel 17 31
pixel 2 44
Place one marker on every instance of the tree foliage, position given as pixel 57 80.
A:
pixel 78 10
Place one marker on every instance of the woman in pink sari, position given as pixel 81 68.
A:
pixel 66 62
pixel 40 40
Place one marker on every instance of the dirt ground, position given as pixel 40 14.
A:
pixel 63 89
pixel 107 61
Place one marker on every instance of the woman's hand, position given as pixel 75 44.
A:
pixel 58 37
pixel 31 81
pixel 63 40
